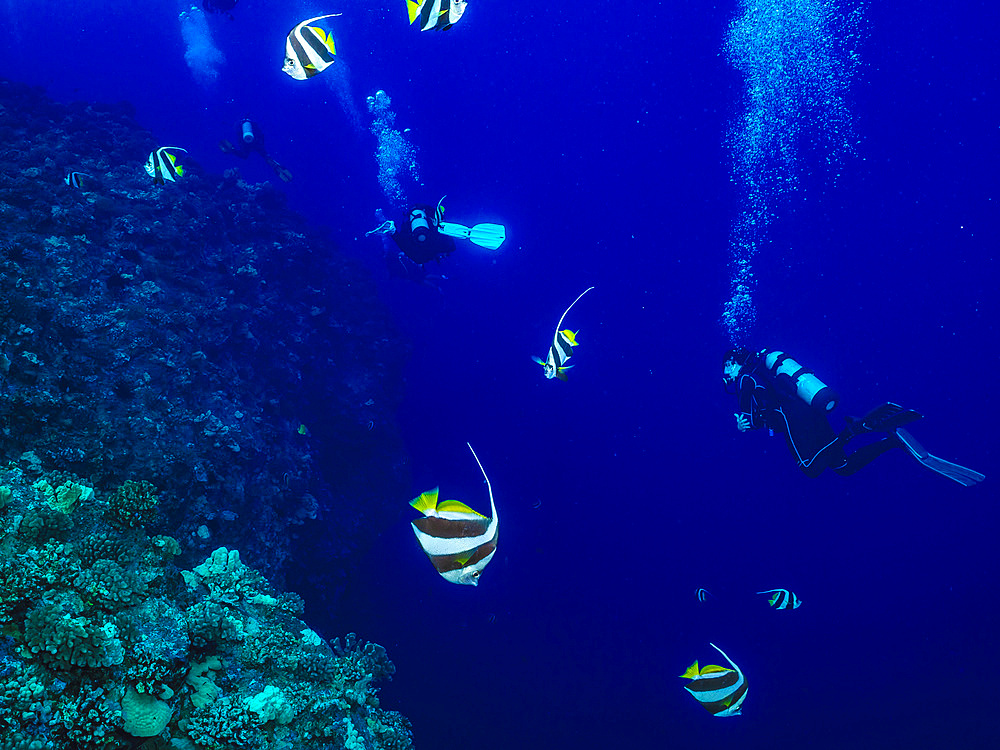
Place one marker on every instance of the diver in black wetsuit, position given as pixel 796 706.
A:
pixel 417 236
pixel 251 141
pixel 775 392
pixel 415 242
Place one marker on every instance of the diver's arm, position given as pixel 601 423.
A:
pixel 749 416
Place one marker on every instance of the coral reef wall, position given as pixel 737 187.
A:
pixel 105 641
pixel 195 334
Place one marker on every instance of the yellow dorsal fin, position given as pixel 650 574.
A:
pixel 327 39
pixel 457 506
pixel 714 668
pixel 425 501
pixel 691 672
pixel 413 8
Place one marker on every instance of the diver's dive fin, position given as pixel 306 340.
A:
pixel 451 229
pixel 964 476
pixel 889 416
pixel 490 236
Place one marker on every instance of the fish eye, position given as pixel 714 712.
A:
pixel 475 574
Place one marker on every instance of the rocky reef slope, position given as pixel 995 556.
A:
pixel 196 334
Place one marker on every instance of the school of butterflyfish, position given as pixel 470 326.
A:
pixel 309 50
pixel 722 690
pixel 459 541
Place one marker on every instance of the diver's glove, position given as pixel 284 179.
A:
pixel 742 423
pixel 386 227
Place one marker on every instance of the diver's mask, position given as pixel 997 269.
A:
pixel 247 131
pixel 420 228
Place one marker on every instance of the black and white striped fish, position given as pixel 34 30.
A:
pixel 308 49
pixel 562 347
pixel 73 179
pixel 162 166
pixel 435 15
pixel 459 541
pixel 783 599
pixel 720 690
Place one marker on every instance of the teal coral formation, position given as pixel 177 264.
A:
pixel 133 503
pixel 105 645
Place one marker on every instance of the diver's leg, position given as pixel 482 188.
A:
pixel 864 456
pixel 279 170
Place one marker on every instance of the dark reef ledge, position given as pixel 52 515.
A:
pixel 196 335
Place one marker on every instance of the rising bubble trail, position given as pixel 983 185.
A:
pixel 396 156
pixel 798 59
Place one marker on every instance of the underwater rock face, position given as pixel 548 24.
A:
pixel 197 335
pixel 209 658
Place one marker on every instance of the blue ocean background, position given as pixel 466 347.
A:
pixel 596 135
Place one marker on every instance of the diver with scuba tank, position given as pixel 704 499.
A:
pixel 423 236
pixel 775 392
pixel 252 141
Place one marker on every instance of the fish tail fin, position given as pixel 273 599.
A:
pixel 413 9
pixel 426 502
pixel 570 336
pixel 691 672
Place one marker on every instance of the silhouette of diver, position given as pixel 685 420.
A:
pixel 775 392
pixel 251 141
pixel 415 242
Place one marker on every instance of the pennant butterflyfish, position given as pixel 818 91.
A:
pixel 720 690
pixel 702 595
pixel 162 165
pixel 562 347
pixel 459 541
pixel 308 49
pixel 435 15
pixel 782 599
pixel 73 179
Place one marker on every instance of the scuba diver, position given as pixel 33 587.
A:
pixel 776 392
pixel 251 141
pixel 422 236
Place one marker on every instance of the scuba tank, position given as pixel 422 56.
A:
pixel 247 131
pixel 807 386
pixel 420 228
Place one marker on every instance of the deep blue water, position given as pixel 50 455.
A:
pixel 595 134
